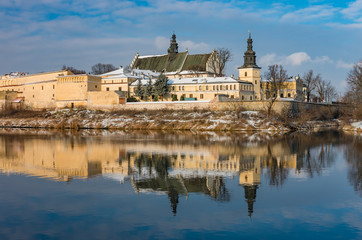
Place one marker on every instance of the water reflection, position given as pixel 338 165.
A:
pixel 179 165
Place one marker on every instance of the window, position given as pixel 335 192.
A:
pixel 183 87
pixel 217 87
pixel 173 88
pixel 33 96
pixel 246 74
pixel 42 88
pixel 95 86
pixel 107 88
pixel 281 95
pixel 251 97
pixel 200 88
pixel 191 96
pixel 234 87
pixel 256 82
pixel 179 88
pixel 213 87
pixel 53 95
pixel 53 86
pixel 201 96
pixel 207 87
pixel 289 95
pixel 227 87
pixel 242 97
pixel 120 89
pixel 232 96
pixel 220 87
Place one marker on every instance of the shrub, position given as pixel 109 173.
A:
pixel 155 99
pixel 182 98
pixel 174 97
pixel 132 99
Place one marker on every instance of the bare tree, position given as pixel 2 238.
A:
pixel 330 92
pixel 354 81
pixel 101 68
pixel 310 82
pixel 276 77
pixel 325 91
pixel 73 70
pixel 218 64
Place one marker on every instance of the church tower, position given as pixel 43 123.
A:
pixel 250 72
pixel 173 49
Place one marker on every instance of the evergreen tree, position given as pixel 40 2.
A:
pixel 148 89
pixel 139 91
pixel 161 87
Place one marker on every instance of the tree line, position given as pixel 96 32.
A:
pixel 97 69
pixel 158 89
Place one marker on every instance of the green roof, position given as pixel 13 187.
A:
pixel 196 62
pixel 179 62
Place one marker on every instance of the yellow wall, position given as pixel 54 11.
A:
pixel 38 90
pixel 251 75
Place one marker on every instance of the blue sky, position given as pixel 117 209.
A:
pixel 42 35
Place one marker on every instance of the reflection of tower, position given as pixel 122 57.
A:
pixel 249 178
pixel 250 195
pixel 173 196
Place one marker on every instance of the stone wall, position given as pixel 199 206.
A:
pixel 278 107
pixel 104 99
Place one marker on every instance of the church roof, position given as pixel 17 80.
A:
pixel 196 62
pixel 175 63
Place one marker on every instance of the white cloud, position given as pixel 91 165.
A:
pixel 322 59
pixel 354 10
pixel 196 47
pixel 342 64
pixel 161 43
pixel 297 58
pixel 294 59
pixel 310 13
pixel 268 59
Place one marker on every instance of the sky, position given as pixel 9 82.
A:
pixel 43 35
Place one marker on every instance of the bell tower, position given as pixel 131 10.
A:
pixel 173 49
pixel 250 72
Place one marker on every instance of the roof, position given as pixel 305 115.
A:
pixel 204 80
pixel 200 80
pixel 172 63
pixel 133 73
pixel 18 100
pixel 196 62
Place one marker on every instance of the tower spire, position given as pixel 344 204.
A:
pixel 249 55
pixel 173 45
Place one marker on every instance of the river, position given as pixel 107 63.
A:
pixel 154 185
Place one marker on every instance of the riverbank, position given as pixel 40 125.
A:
pixel 203 120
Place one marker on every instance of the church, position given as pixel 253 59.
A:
pixel 196 77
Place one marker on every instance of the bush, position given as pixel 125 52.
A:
pixel 132 99
pixel 182 98
pixel 155 99
pixel 174 97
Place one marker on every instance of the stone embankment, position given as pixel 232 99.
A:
pixel 203 120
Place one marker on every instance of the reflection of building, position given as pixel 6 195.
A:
pixel 171 168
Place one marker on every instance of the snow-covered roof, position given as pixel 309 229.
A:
pixel 204 80
pixel 140 57
pixel 133 73
pixel 201 80
pixel 143 82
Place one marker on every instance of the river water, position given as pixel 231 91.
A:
pixel 116 185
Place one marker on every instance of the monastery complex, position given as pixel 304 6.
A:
pixel 190 77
